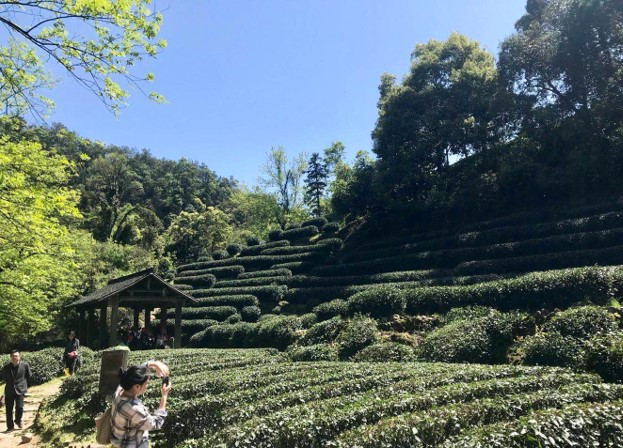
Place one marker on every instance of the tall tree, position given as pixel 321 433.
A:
pixel 441 109
pixel 282 176
pixel 315 183
pixel 95 42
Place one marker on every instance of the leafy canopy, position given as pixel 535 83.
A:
pixel 95 42
pixel 38 258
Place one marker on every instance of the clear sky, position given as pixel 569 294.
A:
pixel 244 75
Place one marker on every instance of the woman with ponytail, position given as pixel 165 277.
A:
pixel 131 420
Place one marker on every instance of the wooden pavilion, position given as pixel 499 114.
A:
pixel 142 291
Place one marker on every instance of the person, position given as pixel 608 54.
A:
pixel 17 377
pixel 130 419
pixel 70 356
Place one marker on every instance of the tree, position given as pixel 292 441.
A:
pixel 316 183
pixel 96 42
pixel 254 212
pixel 192 234
pixel 112 190
pixel 283 177
pixel 354 189
pixel 441 109
pixel 39 265
pixel 333 155
pixel 565 56
pixel 565 69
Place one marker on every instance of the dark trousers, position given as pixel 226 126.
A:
pixel 71 364
pixel 18 402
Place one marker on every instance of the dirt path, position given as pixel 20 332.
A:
pixel 18 438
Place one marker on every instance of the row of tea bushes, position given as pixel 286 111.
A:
pixel 556 232
pixel 557 288
pixel 474 261
pixel 514 248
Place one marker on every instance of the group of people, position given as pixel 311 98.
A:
pixel 130 421
pixel 144 339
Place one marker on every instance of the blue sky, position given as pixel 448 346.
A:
pixel 242 76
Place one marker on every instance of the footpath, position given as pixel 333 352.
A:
pixel 25 438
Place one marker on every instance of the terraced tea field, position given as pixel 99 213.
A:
pixel 258 398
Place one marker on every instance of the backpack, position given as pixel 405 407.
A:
pixel 103 427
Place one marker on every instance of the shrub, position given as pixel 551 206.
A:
pixel 279 332
pixel 385 352
pixel 467 313
pixel 253 241
pixel 269 293
pixel 330 228
pixel 380 303
pixel 331 309
pixel 560 288
pixel 47 364
pixel 250 313
pixel 296 267
pixel 237 301
pixel 299 233
pixel 552 349
pixel 293 225
pixel 297 249
pixel 582 323
pixel 326 331
pixel 220 255
pixel 205 280
pixel 275 235
pixel 219 313
pixel 308 320
pixel 360 332
pixel 604 355
pixel 233 249
pixel 255 250
pixel 234 318
pixel 220 272
pixel 254 281
pixel 481 340
pixel 318 352
pixel 183 286
pixel 318 222
pixel 282 272
pixel 191 326
pixel 205 258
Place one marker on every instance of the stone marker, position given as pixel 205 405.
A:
pixel 112 361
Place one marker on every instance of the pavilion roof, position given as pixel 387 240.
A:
pixel 121 284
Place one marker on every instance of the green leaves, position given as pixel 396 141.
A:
pixel 123 33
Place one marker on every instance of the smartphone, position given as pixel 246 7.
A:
pixel 165 380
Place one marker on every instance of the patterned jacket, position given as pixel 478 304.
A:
pixel 131 421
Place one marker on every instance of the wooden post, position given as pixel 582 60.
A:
pixel 90 327
pixel 82 331
pixel 103 325
pixel 178 324
pixel 163 320
pixel 147 316
pixel 114 320
pixel 137 312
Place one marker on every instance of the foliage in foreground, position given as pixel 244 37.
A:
pixel 256 398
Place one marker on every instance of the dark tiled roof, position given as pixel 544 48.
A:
pixel 120 284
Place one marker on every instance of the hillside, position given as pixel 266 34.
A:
pixel 498 287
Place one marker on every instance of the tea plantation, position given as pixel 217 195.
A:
pixel 538 288
pixel 506 334
pixel 259 398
